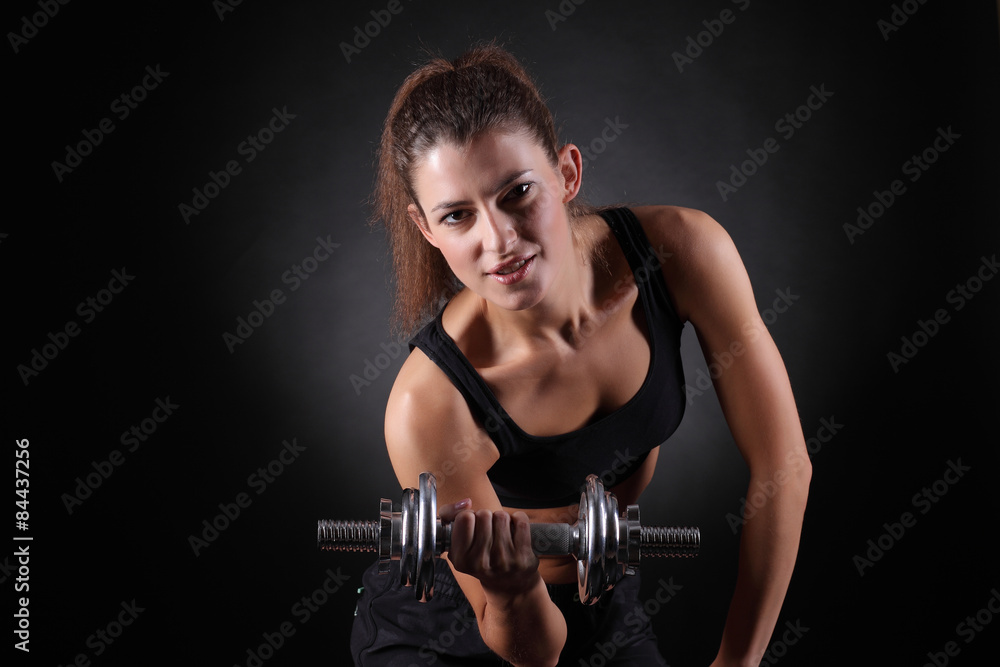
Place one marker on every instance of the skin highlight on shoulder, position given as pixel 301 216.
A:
pixel 428 426
pixel 696 247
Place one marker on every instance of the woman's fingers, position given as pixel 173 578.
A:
pixel 521 535
pixel 482 541
pixel 471 538
pixel 488 544
pixel 449 512
pixel 502 552
pixel 462 529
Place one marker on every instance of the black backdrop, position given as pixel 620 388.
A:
pixel 121 306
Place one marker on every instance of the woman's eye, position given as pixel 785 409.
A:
pixel 454 217
pixel 519 190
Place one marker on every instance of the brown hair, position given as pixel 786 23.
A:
pixel 485 89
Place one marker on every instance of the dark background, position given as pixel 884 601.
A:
pixel 162 336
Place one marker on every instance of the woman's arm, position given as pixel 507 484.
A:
pixel 711 289
pixel 757 401
pixel 428 426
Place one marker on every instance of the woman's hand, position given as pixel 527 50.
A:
pixel 494 547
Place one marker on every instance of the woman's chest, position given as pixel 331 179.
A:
pixel 561 388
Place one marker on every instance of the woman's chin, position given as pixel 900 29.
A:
pixel 513 300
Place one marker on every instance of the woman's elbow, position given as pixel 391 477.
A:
pixel 789 478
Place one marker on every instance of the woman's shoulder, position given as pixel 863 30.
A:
pixel 428 424
pixel 421 393
pixel 698 250
pixel 678 227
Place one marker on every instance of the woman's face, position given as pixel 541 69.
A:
pixel 496 209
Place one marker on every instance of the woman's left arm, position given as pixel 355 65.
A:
pixel 711 289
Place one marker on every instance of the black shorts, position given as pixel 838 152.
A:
pixel 392 629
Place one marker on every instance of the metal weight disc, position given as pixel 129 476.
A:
pixel 385 535
pixel 426 537
pixel 611 533
pixel 583 549
pixel 592 565
pixel 629 539
pixel 407 538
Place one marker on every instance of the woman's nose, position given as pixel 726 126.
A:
pixel 500 233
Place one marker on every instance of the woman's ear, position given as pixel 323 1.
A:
pixel 418 219
pixel 570 170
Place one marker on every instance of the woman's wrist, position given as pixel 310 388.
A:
pixel 506 594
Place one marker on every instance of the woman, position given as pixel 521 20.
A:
pixel 555 355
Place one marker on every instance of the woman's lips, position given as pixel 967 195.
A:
pixel 512 272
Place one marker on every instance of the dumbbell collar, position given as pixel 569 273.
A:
pixel 411 536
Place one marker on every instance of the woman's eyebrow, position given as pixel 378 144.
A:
pixel 500 185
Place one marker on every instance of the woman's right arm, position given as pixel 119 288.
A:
pixel 428 426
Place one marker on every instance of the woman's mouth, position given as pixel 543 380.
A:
pixel 513 272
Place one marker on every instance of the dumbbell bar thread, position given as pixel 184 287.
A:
pixel 356 536
pixel 659 541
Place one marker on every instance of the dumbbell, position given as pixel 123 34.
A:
pixel 604 543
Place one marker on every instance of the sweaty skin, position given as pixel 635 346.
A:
pixel 500 200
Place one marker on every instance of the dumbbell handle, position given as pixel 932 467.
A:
pixel 560 539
